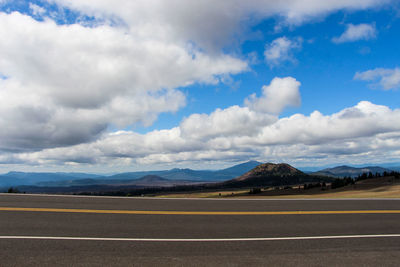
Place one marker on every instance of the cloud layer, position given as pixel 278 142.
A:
pixel 236 133
pixel 68 90
pixel 361 132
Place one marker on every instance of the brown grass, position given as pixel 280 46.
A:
pixel 358 191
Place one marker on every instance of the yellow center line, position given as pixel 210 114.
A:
pixel 158 212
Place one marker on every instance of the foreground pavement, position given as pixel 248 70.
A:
pixel 92 231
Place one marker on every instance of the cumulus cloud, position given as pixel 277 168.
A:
pixel 386 78
pixel 215 23
pixel 64 77
pixel 356 32
pixel 281 93
pixel 281 50
pixel 237 133
pixel 227 122
pixel 363 120
pixel 248 120
pixel 357 133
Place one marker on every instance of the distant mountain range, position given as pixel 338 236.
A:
pixel 245 174
pixel 193 175
pixel 262 175
pixel 174 176
pixel 347 171
pixel 32 178
pixel 145 181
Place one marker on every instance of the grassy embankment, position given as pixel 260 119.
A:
pixel 373 188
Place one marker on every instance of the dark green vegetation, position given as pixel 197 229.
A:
pixel 346 171
pixel 337 183
pixel 395 169
pixel 362 182
pixel 13 190
pixel 370 175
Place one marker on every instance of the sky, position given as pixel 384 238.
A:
pixel 111 86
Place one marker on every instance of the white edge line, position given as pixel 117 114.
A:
pixel 200 239
pixel 202 199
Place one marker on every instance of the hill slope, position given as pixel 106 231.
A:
pixel 270 174
pixel 346 171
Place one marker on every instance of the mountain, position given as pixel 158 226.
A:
pixel 150 179
pixel 237 170
pixel 145 184
pixel 173 174
pixel 6 181
pixel 61 179
pixel 145 181
pixel 188 174
pixel 157 181
pixel 74 182
pixel 31 178
pixel 132 175
pixel 207 175
pixel 271 169
pixel 270 174
pixel 49 175
pixel 193 175
pixel 346 171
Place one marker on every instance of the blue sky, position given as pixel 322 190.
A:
pixel 114 85
pixel 325 69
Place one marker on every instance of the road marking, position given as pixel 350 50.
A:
pixel 200 239
pixel 159 212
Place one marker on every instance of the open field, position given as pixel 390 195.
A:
pixel 357 191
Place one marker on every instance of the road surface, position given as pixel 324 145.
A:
pixel 40 230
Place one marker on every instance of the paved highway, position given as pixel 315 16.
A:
pixel 83 231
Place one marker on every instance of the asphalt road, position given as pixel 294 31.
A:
pixel 207 239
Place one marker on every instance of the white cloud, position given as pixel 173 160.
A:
pixel 359 133
pixel 281 93
pixel 64 87
pixel 64 77
pixel 36 10
pixel 356 32
pixel 281 50
pixel 210 24
pixel 386 78
pixel 363 120
pixel 231 121
pixel 363 132
pixel 247 120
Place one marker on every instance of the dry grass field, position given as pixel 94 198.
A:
pixel 374 188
